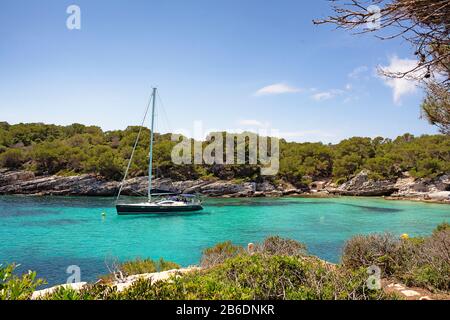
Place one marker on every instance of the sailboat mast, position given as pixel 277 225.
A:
pixel 150 167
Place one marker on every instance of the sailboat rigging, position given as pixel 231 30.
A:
pixel 158 201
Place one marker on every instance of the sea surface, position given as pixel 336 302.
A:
pixel 48 234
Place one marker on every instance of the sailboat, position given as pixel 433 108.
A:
pixel 158 201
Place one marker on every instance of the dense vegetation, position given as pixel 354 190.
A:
pixel 421 261
pixel 76 149
pixel 274 269
pixel 14 287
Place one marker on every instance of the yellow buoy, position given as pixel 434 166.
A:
pixel 404 236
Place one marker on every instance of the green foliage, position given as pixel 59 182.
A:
pixel 108 164
pixel 13 287
pixel 436 105
pixel 382 168
pixel 276 245
pixel 76 149
pixel 141 266
pixel 63 293
pixel 260 277
pixel 138 266
pixel 12 158
pixel 377 249
pixel 423 262
pixel 219 253
pixel 444 226
pixel 276 269
pixel 299 161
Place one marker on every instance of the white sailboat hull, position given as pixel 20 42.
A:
pixel 148 208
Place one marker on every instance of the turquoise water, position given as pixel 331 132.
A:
pixel 47 234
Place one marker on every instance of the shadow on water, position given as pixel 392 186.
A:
pixel 265 203
pixel 14 212
pixel 276 203
pixel 373 209
pixel 164 215
pixel 48 223
pixel 56 201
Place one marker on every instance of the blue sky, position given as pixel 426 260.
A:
pixel 230 64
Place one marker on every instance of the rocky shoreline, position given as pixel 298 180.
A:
pixel 405 188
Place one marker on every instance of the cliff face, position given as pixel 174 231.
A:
pixel 23 182
pixel 403 188
pixel 361 185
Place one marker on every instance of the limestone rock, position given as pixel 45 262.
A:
pixel 361 185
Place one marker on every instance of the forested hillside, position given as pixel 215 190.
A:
pixel 77 149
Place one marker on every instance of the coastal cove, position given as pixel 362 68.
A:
pixel 19 182
pixel 48 234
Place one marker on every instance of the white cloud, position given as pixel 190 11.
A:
pixel 326 95
pixel 400 86
pixel 322 96
pixel 357 72
pixel 251 123
pixel 277 88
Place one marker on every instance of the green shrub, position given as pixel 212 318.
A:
pixel 260 277
pixel 12 158
pixel 423 262
pixel 381 250
pixel 442 227
pixel 13 287
pixel 429 263
pixel 219 253
pixel 276 245
pixel 141 266
pixel 63 293
pixel 99 291
pixel 138 266
pixel 277 269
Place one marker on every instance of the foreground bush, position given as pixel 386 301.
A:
pixel 13 287
pixel 139 266
pixel 382 250
pixel 275 269
pixel 219 254
pixel 273 245
pixel 279 246
pixel 246 277
pixel 423 262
